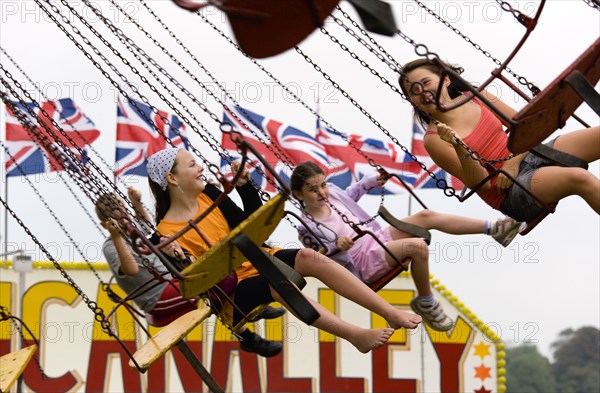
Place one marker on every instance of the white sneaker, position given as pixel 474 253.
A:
pixel 505 230
pixel 432 314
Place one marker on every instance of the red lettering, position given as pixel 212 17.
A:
pixel 277 382
pixel 100 356
pixel 329 381
pixel 220 367
pixel 382 383
pixel 449 356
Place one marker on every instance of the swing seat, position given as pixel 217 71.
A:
pixel 389 276
pixel 12 366
pixel 551 108
pixel 165 319
pixel 223 258
pixel 266 28
pixel 168 337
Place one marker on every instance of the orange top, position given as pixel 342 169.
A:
pixel 214 226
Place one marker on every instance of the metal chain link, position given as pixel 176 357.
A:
pixel 361 61
pixel 388 59
pixel 440 183
pixel 292 199
pixel 98 311
pixel 593 3
pixel 211 167
pixel 123 77
pixel 518 15
pixel 58 173
pixel 521 79
pixel 82 175
pixel 84 183
pixel 222 152
pixel 281 155
pixel 53 214
pixel 72 127
pixel 5 314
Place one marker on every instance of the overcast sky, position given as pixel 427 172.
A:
pixel 541 284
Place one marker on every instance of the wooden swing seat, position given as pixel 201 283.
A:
pixel 168 337
pixel 551 108
pixel 223 258
pixel 12 366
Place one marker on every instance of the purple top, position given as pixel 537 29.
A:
pixel 346 200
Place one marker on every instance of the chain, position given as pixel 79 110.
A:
pixel 85 183
pixel 440 183
pixel 130 44
pixel 521 79
pixel 593 3
pixel 4 315
pixel 98 311
pixel 60 224
pixel 43 139
pixel 83 186
pixel 223 153
pixel 59 174
pixel 362 62
pixel 518 15
pixel 313 112
pixel 209 165
pixel 82 177
pixel 72 127
pixel 388 59
pixel 281 154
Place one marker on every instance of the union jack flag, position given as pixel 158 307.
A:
pixel 355 151
pixel 278 139
pixel 424 180
pixel 28 155
pixel 139 135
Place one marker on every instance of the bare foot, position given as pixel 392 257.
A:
pixel 369 339
pixel 403 319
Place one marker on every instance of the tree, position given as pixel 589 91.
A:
pixel 577 360
pixel 527 371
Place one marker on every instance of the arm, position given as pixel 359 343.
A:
pixel 250 198
pixel 127 263
pixel 361 187
pixel 453 158
pixel 232 212
pixel 511 166
pixel 135 196
pixel 308 240
pixel 246 191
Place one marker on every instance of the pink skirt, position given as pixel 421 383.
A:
pixel 369 256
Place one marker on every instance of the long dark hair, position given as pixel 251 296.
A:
pixel 162 197
pixel 302 172
pixel 455 89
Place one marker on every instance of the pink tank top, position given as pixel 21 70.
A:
pixel 490 141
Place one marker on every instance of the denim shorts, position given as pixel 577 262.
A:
pixel 517 203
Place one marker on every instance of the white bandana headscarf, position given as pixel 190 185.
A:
pixel 161 163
